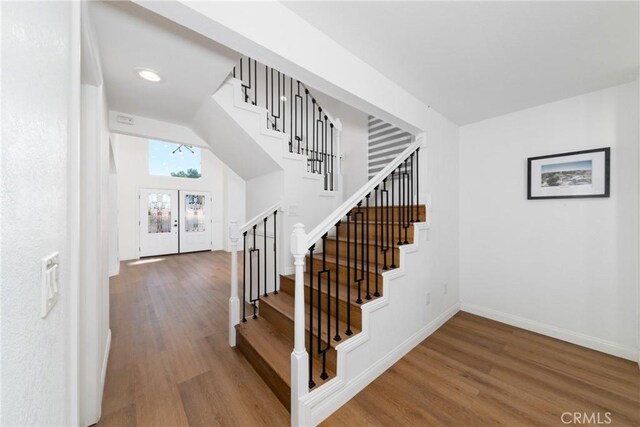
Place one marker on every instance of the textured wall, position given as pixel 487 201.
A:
pixel 37 48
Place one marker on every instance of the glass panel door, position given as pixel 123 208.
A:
pixel 158 222
pixel 195 221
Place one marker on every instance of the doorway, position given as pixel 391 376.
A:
pixel 174 221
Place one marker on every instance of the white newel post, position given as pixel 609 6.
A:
pixel 234 302
pixel 299 357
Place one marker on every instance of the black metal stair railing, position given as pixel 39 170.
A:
pixel 258 253
pixel 292 109
pixel 370 227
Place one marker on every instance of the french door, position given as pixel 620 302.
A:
pixel 158 222
pixel 173 221
pixel 195 221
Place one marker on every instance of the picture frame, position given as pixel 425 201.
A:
pixel 577 174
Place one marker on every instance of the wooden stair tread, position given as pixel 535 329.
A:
pixel 358 241
pixel 284 303
pixel 342 296
pixel 270 344
pixel 342 261
pixel 275 349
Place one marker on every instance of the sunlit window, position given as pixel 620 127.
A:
pixel 177 160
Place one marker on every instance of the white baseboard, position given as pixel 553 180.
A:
pixel 105 359
pixel 343 394
pixel 555 332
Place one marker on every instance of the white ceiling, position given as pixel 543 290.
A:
pixel 129 36
pixel 476 60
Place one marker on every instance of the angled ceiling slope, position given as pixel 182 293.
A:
pixel 476 60
pixel 129 36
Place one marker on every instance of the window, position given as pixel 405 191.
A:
pixel 177 160
pixel 194 213
pixel 159 213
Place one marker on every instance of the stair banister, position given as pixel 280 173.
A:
pixel 234 236
pixel 326 225
pixel 259 217
pixel 299 356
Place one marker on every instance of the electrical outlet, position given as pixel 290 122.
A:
pixel 446 288
pixel 428 298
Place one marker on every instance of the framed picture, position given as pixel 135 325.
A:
pixel 569 175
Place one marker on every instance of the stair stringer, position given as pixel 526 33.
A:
pixel 392 325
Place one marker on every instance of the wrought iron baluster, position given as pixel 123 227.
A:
pixel 348 331
pixel 375 239
pixel 254 249
pixel 337 336
pixel 255 83
pixel 306 121
pixel 314 149
pixel 405 213
pixel 332 172
pixel 368 296
pixel 384 225
pixel 411 209
pixel 418 182
pixel 275 253
pixel 264 232
pixel 244 276
pixel 359 280
pixel 266 92
pixel 323 351
pixel 324 154
pixel 393 219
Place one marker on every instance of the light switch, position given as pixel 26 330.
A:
pixel 50 274
pixel 293 210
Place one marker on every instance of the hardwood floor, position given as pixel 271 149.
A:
pixel 170 362
pixel 476 372
pixel 171 365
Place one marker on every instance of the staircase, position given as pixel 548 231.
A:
pixel 349 310
pixel 267 341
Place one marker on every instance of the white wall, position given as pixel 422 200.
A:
pixel 566 268
pixel 439 190
pixel 39 134
pixel 132 164
pixel 234 204
pixel 94 249
pixel 353 141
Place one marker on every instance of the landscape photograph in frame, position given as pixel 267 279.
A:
pixel 578 174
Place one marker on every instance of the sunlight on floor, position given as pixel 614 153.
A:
pixel 146 261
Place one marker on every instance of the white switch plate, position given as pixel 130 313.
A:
pixel 293 210
pixel 446 288
pixel 428 298
pixel 50 276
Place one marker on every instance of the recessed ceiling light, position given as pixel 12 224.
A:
pixel 148 75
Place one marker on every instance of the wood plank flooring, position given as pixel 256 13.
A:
pixel 171 365
pixel 477 372
pixel 170 361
